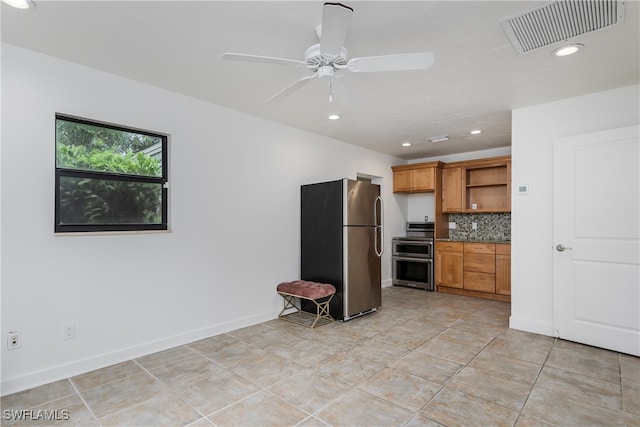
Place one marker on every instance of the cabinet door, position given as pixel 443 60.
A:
pixel 402 181
pixel 424 179
pixel 452 190
pixel 503 274
pixel 449 269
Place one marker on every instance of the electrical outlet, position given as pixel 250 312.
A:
pixel 474 225
pixel 452 226
pixel 69 331
pixel 14 340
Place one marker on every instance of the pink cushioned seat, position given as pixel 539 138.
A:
pixel 305 289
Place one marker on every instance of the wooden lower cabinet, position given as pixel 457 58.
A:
pixel 503 269
pixel 474 269
pixel 449 269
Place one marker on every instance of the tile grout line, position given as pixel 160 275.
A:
pixel 85 402
pixel 536 381
pixel 622 408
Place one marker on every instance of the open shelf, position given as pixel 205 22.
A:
pixel 487 187
pixel 492 175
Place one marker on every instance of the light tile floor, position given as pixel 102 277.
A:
pixel 424 359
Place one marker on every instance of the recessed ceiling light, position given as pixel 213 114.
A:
pixel 406 144
pixel 20 4
pixel 475 132
pixel 334 116
pixel 568 49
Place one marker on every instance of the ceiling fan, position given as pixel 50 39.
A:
pixel 328 57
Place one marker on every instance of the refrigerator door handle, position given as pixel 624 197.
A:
pixel 375 215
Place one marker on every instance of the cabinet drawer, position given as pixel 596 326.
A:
pixel 483 282
pixel 480 248
pixel 449 246
pixel 503 249
pixel 483 263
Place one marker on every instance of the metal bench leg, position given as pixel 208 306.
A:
pixel 289 302
pixel 322 311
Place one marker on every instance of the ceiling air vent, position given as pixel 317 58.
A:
pixel 558 21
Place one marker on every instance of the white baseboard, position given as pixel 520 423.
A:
pixel 529 325
pixel 77 367
pixel 387 283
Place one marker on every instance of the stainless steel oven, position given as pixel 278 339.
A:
pixel 413 272
pixel 412 248
pixel 412 257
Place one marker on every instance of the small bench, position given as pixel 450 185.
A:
pixel 320 293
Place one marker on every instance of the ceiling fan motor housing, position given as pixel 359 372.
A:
pixel 316 59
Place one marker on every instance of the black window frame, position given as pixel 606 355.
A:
pixel 61 172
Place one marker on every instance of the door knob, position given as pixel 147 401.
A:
pixel 561 248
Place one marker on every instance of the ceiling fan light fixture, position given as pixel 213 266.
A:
pixel 568 49
pixel 21 4
pixel 334 116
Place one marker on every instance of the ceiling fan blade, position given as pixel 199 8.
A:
pixel 290 89
pixel 335 24
pixel 262 59
pixel 399 62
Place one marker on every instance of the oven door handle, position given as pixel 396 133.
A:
pixel 404 241
pixel 424 260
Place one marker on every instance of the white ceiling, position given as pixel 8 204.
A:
pixel 476 81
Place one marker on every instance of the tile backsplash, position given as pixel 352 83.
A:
pixel 491 226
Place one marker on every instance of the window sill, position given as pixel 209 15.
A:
pixel 112 233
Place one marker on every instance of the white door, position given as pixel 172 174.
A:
pixel 596 217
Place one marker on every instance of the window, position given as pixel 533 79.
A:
pixel 109 178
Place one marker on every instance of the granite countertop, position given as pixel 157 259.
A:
pixel 474 240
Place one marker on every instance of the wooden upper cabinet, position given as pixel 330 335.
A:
pixel 477 186
pixel 487 186
pixel 415 178
pixel 452 189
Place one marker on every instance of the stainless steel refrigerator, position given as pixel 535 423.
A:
pixel 342 243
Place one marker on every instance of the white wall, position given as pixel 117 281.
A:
pixel 533 131
pixel 234 219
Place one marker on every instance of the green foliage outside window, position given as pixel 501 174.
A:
pixel 108 176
